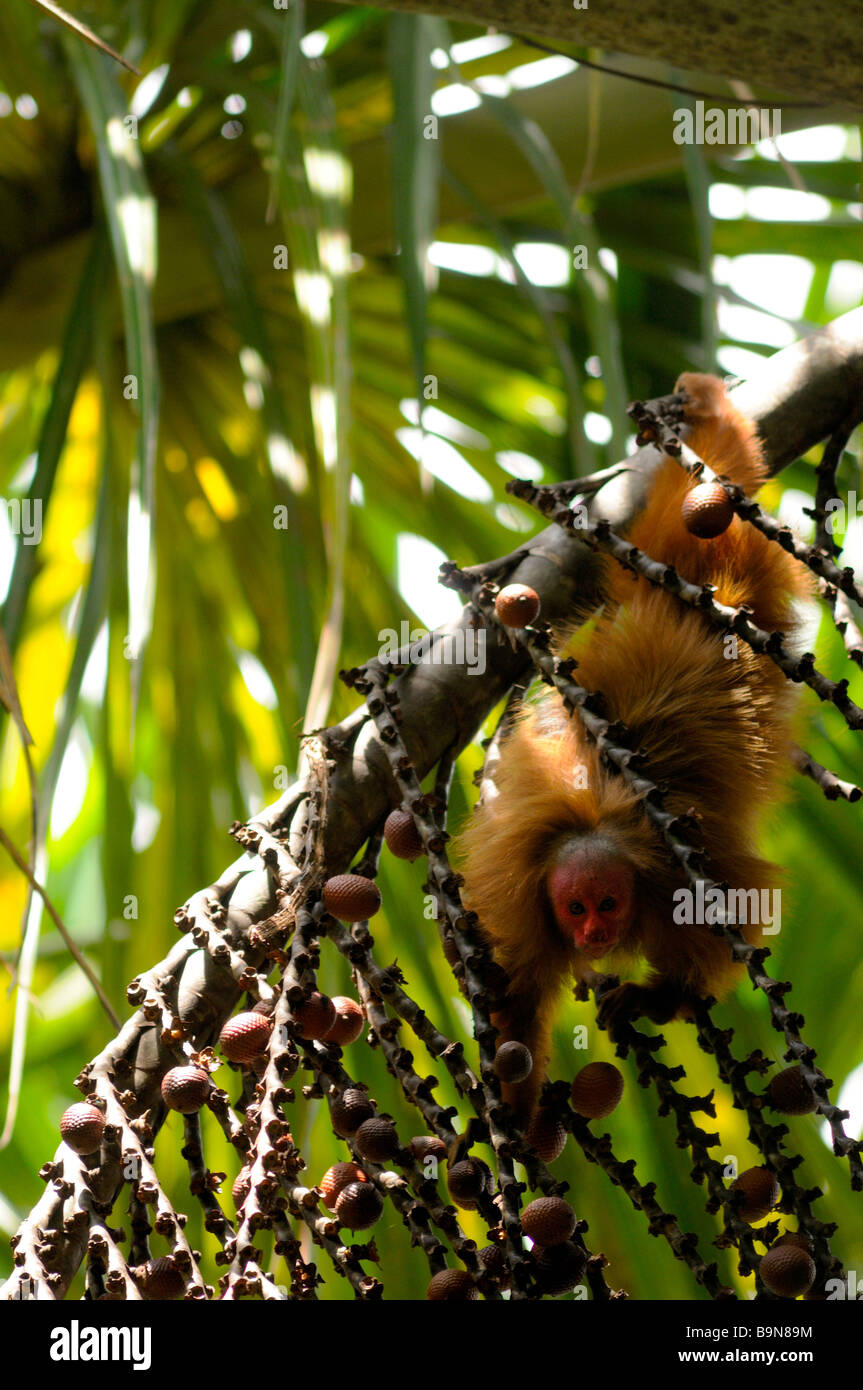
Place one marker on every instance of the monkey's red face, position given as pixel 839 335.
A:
pixel 592 894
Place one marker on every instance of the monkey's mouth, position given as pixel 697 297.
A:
pixel 596 947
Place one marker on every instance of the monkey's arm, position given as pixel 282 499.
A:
pixel 526 1018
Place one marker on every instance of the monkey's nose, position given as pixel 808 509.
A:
pixel 596 942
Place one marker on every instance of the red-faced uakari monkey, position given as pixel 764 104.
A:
pixel 562 864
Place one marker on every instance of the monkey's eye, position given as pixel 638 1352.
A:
pixel 576 909
pixel 607 905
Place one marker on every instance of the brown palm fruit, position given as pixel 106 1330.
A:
pixel 818 1293
pixel 185 1089
pixel 761 1193
pixel 350 1021
pixel 548 1221
pixel 424 1146
pixel 467 1180
pixel 82 1127
pixel 337 1178
pixel 493 1261
pixel 351 898
pixel 559 1268
pixel 796 1238
pixel 597 1090
pixel 348 1111
pixel 452 1285
pixel 707 511
pixel 315 1016
pixel 402 836
pixel 241 1187
pixel 546 1135
pixel 517 605
pixel 787 1270
pixel 377 1139
pixel 513 1062
pixel 359 1205
pixel 161 1279
pixel 245 1037
pixel 790 1093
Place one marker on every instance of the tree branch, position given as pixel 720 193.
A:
pixel 807 51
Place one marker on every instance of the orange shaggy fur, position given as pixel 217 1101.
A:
pixel 715 730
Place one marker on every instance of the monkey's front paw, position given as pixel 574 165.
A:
pixel 621 1006
pixel 705 395
pixel 629 1001
pixel 588 980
